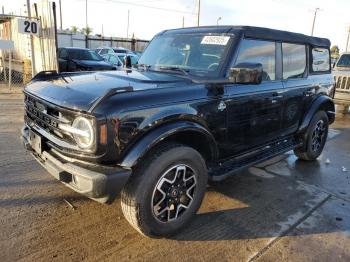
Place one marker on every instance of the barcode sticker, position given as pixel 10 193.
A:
pixel 215 40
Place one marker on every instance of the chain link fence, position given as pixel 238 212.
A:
pixel 13 72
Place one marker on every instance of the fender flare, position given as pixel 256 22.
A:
pixel 158 134
pixel 322 102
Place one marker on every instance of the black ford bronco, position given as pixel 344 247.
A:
pixel 202 104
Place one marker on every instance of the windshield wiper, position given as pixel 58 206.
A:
pixel 174 68
pixel 145 67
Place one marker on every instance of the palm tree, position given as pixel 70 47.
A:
pixel 74 29
pixel 86 30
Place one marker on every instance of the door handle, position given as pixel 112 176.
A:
pixel 277 96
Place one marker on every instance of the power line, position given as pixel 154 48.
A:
pixel 145 6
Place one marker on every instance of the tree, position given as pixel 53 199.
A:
pixel 74 29
pixel 335 51
pixel 86 30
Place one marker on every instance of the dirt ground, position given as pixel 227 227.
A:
pixel 280 210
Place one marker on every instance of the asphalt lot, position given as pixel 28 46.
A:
pixel 280 210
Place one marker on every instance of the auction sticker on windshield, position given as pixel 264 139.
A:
pixel 215 40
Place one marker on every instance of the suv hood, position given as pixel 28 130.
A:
pixel 92 63
pixel 79 91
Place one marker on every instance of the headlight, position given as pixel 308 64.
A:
pixel 85 138
pixel 84 132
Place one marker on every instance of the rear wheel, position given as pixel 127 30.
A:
pixel 165 191
pixel 315 138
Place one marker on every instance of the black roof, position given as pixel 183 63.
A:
pixel 74 48
pixel 256 32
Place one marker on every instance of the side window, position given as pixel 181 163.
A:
pixel 103 51
pixel 134 60
pixel 106 57
pixel 63 54
pixel 320 60
pixel 113 59
pixel 257 51
pixel 294 60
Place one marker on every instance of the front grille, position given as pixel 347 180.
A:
pixel 343 83
pixel 46 117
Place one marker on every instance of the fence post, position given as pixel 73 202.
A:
pixel 10 68
pixel 133 43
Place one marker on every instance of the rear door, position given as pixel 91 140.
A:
pixel 254 111
pixel 299 87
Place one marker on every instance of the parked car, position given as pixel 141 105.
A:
pixel 333 61
pixel 202 104
pixel 134 58
pixel 138 53
pixel 114 60
pixel 72 59
pixel 341 73
pixel 111 50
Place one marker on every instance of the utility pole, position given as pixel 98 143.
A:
pixel 183 22
pixel 60 14
pixel 127 27
pixel 198 12
pixel 313 23
pixel 347 40
pixel 86 25
pixel 29 13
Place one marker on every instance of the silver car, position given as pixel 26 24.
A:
pixel 341 74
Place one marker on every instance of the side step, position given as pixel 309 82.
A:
pixel 245 160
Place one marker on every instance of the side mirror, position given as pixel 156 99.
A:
pixel 128 61
pixel 246 73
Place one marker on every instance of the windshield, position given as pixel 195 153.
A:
pixel 199 54
pixel 344 61
pixel 85 55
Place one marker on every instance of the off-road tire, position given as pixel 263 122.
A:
pixel 306 152
pixel 136 197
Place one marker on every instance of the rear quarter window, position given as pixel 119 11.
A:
pixel 320 60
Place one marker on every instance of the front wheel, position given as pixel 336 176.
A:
pixel 165 191
pixel 315 138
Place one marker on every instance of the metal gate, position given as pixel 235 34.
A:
pixel 12 56
pixel 23 51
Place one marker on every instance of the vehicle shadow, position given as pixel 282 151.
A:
pixel 248 206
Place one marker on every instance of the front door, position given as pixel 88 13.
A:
pixel 254 111
pixel 253 114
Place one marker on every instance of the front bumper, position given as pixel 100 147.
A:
pixel 98 182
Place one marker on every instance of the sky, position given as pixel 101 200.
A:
pixel 148 17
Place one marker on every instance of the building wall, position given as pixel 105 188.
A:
pixel 68 39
